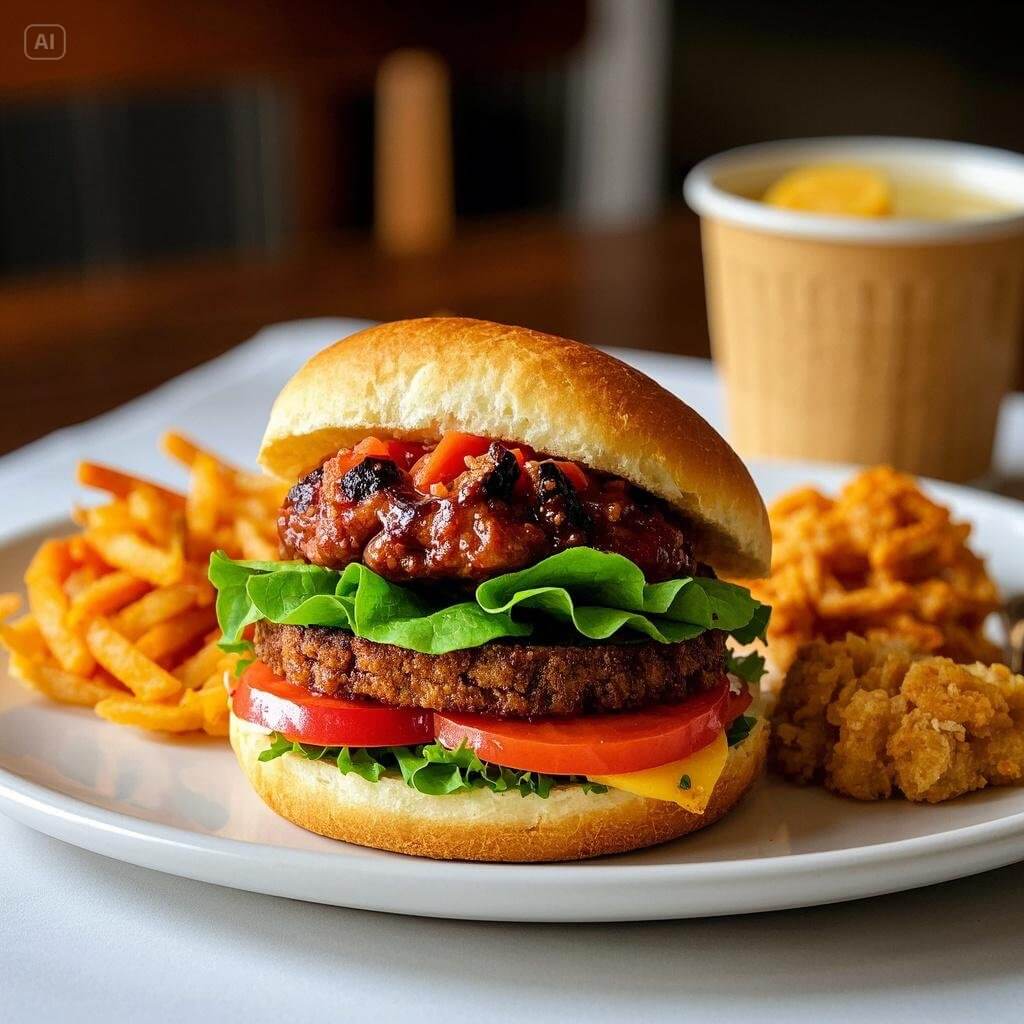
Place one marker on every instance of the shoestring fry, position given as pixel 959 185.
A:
pixel 120 614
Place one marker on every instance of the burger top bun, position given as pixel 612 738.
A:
pixel 417 379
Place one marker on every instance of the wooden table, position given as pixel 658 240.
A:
pixel 74 347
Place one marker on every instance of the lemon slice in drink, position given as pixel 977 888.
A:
pixel 844 189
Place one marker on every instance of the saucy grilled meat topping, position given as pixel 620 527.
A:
pixel 501 514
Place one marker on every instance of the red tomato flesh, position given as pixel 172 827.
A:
pixel 263 698
pixel 574 475
pixel 402 453
pixel 448 459
pixel 606 744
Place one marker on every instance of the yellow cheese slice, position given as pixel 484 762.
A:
pixel 669 781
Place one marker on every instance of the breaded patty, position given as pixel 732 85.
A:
pixel 501 678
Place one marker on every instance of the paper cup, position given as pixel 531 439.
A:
pixel 856 339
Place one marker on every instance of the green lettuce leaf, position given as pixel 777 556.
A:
pixel 356 599
pixel 435 770
pixel 749 667
pixel 359 761
pixel 599 593
pixel 430 768
pixel 580 592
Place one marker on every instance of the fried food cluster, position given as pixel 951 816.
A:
pixel 881 560
pixel 873 718
pixel 121 615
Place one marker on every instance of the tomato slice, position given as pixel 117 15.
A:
pixel 609 744
pixel 448 459
pixel 738 703
pixel 402 453
pixel 573 474
pixel 523 454
pixel 265 699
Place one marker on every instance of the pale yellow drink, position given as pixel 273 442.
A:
pixel 857 190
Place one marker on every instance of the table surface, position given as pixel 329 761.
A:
pixel 73 347
pixel 91 939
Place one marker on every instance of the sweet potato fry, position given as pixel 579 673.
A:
pixel 158 518
pixel 266 491
pixel 114 516
pixel 194 671
pixel 213 706
pixel 155 607
pixel 121 614
pixel 155 717
pixel 49 604
pixel 220 679
pixel 57 684
pixel 168 638
pixel 261 512
pixel 23 637
pixel 85 558
pixel 105 595
pixel 158 566
pixel 118 483
pixel 253 543
pixel 179 447
pixel 195 577
pixel 78 579
pixel 186 451
pixel 126 663
pixel 208 494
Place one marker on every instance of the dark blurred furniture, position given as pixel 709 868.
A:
pixel 72 345
pixel 74 348
pixel 317 54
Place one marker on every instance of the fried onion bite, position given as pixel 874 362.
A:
pixel 882 560
pixel 872 719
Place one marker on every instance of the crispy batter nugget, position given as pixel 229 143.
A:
pixel 881 560
pixel 872 719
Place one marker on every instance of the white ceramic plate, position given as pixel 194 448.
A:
pixel 182 807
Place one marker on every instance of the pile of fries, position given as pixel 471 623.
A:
pixel 121 615
pixel 880 560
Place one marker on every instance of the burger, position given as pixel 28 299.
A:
pixel 497 630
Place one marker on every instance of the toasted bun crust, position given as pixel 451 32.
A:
pixel 416 379
pixel 478 824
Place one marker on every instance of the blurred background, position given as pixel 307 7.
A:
pixel 175 175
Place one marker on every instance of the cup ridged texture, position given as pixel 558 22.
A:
pixel 847 352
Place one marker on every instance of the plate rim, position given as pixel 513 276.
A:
pixel 26 799
pixel 15 789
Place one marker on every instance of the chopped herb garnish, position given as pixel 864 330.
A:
pixel 740 729
pixel 684 782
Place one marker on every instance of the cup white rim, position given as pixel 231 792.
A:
pixel 706 198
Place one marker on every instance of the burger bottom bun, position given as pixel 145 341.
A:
pixel 478 824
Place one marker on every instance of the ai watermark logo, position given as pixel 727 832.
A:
pixel 46 42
